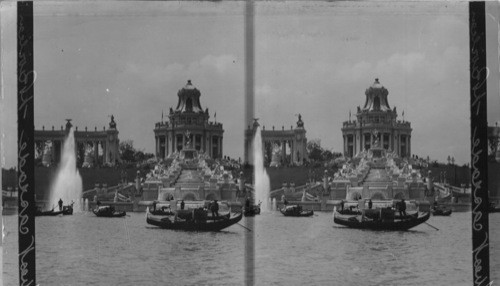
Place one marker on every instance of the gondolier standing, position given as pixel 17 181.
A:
pixel 215 209
pixel 60 203
pixel 402 208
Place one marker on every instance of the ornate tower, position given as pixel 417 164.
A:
pixel 188 118
pixel 376 126
pixel 112 143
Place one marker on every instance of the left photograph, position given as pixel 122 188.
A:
pixel 139 127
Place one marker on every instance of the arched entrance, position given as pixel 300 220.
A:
pixel 211 197
pixel 355 196
pixel 399 196
pixel 377 196
pixel 189 197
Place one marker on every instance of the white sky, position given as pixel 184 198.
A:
pixel 312 58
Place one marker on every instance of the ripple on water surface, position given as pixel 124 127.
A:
pixel 85 250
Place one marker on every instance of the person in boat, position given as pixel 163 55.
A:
pixel 215 209
pixel 182 204
pixel 60 203
pixel 98 203
pixel 402 208
pixel 247 204
pixel 111 209
pixel 342 205
pixel 370 204
pixel 298 209
pixel 435 205
pixel 154 206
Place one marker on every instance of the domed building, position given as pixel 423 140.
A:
pixel 188 126
pixel 376 126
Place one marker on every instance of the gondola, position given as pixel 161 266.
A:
pixel 387 222
pixel 48 213
pixel 107 211
pixel 441 212
pixel 197 222
pixel 296 211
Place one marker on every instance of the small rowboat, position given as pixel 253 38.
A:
pixel 67 210
pixel 252 210
pixel 198 222
pixel 296 211
pixel 47 213
pixel 107 211
pixel 441 212
pixel 494 208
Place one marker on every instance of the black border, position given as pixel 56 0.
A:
pixel 479 144
pixel 25 136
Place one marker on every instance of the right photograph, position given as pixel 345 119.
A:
pixel 361 143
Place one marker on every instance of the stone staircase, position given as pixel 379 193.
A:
pixel 189 179
pixel 377 178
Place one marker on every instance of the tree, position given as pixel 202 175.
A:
pixel 127 151
pixel 314 150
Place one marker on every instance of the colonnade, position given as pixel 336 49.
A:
pixel 168 144
pixel 356 142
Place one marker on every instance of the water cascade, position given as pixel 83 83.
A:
pixel 68 183
pixel 262 184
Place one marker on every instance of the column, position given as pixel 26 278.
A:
pixel 381 140
pixel 221 149
pixel 398 143
pixel 209 147
pixel 171 138
pixel 391 140
pixel 283 151
pixel 363 138
pixel 157 147
pixel 356 142
pixel 174 139
pixel 96 151
pixel 166 145
pixel 408 143
pixel 345 143
pixel 105 152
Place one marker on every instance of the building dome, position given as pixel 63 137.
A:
pixel 376 98
pixel 189 99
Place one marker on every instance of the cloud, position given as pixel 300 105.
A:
pixel 221 64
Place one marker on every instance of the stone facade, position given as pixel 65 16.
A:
pixel 294 140
pixel 93 147
pixel 376 126
pixel 189 119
